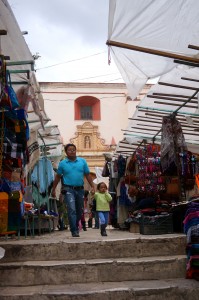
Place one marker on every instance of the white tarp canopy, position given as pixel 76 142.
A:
pixel 165 28
pixel 13 45
pixel 159 25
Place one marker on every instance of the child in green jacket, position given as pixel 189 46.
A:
pixel 102 198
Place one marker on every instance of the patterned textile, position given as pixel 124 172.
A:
pixel 13 149
pixel 15 130
pixel 191 215
pixel 33 150
pixel 9 163
pixel 14 175
pixel 191 232
pixel 172 138
pixel 9 186
pixel 4 185
pixel 191 228
pixel 17 115
pixel 192 222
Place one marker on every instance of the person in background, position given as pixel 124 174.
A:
pixel 72 170
pixel 83 220
pixel 103 198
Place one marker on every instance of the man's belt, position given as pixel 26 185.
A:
pixel 72 187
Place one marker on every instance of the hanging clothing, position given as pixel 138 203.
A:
pixel 43 175
pixel 172 139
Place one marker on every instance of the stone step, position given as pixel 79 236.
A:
pixel 71 249
pixel 93 270
pixel 174 289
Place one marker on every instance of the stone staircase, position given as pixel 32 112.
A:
pixel 141 267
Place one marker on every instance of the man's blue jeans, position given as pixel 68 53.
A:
pixel 75 207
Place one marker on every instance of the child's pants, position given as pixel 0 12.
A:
pixel 103 217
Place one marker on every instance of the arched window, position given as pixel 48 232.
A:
pixel 87 108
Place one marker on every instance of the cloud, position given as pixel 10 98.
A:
pixel 86 20
pixel 64 30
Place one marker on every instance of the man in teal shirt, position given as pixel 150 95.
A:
pixel 72 170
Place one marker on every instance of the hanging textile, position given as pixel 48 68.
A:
pixel 171 141
pixel 43 174
pixel 14 133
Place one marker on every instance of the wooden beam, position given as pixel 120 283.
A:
pixel 146 129
pixel 155 113
pixel 178 86
pixel 173 95
pixel 193 47
pixel 147 125
pixel 152 51
pixel 187 63
pixel 128 147
pixel 171 99
pixel 121 142
pixel 151 120
pixel 138 132
pixel 189 79
pixel 171 104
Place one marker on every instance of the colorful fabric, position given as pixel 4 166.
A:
pixel 192 231
pixel 13 149
pixel 192 222
pixel 16 130
pixel 3 196
pixel 191 215
pixel 19 114
pixel 4 185
pixel 14 175
pixel 9 186
pixel 9 163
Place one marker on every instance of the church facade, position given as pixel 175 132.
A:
pixel 90 115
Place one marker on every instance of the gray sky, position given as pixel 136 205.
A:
pixel 63 32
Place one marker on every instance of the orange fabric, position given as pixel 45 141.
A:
pixel 197 179
pixel 3 212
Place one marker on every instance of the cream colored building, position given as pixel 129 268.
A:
pixel 90 115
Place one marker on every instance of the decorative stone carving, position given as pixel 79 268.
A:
pixel 88 139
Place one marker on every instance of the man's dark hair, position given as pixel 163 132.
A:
pixel 69 145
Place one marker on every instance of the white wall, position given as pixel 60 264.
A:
pixel 59 105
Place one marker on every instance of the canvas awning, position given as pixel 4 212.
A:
pixel 20 62
pixel 151 39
